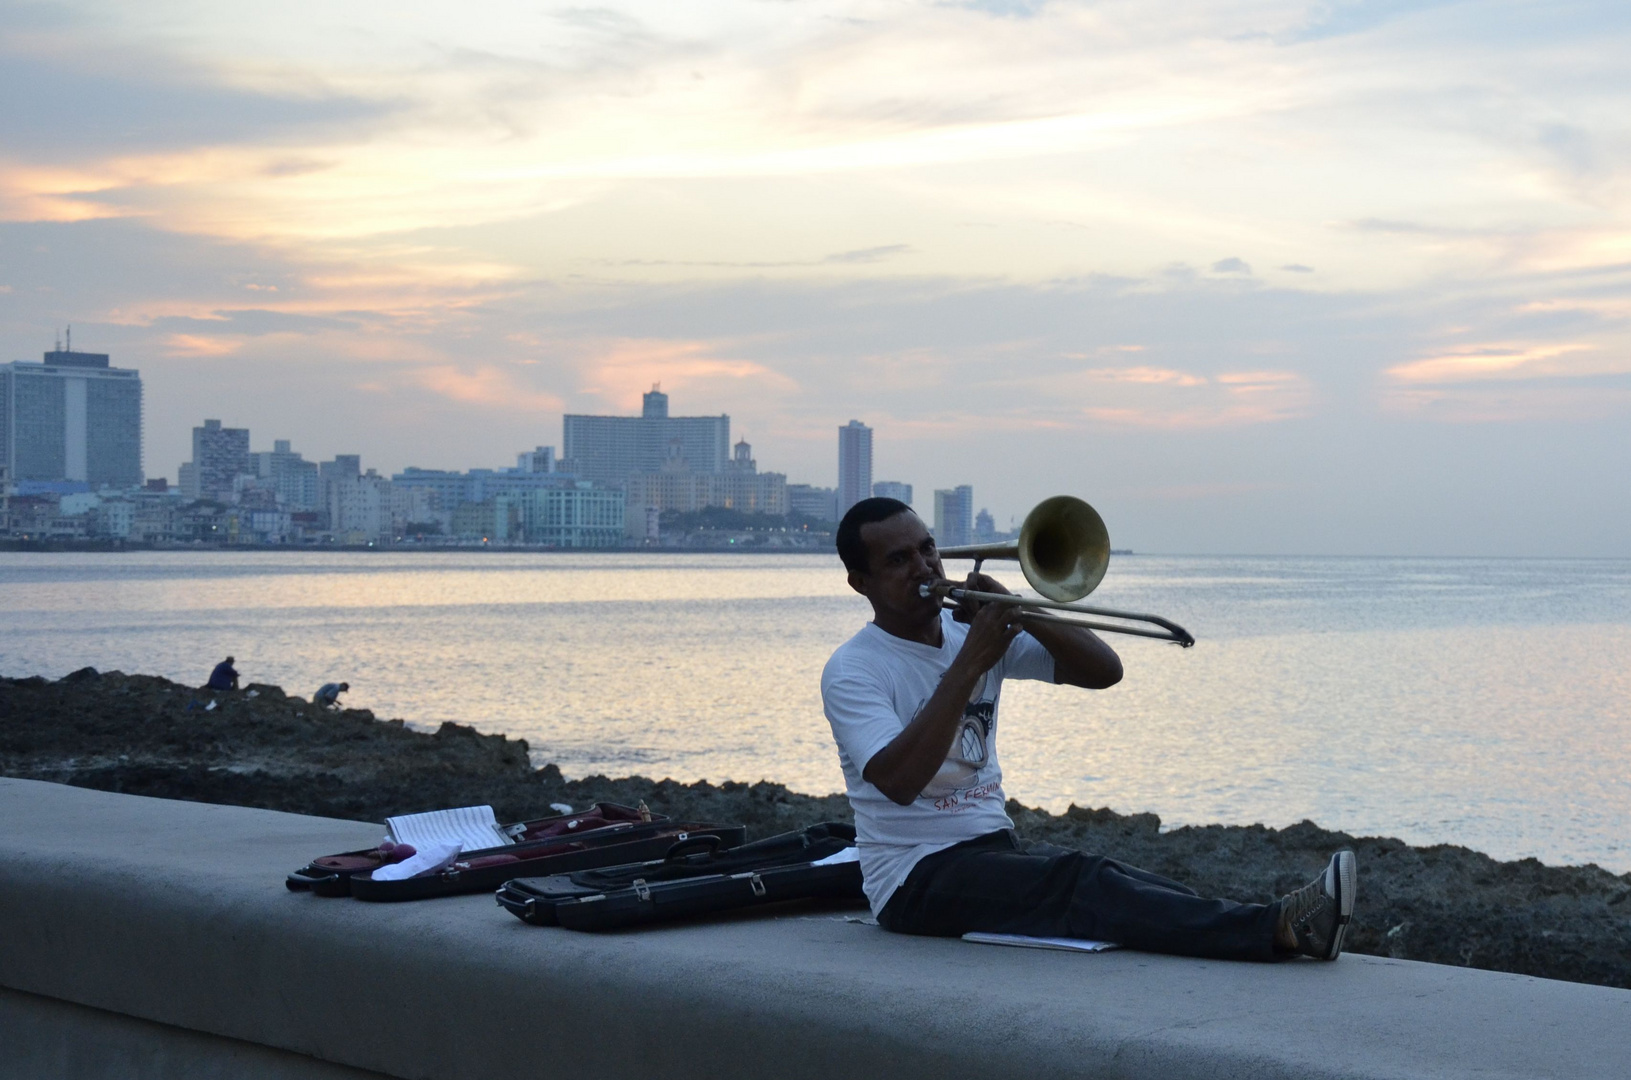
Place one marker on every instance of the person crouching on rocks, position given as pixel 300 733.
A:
pixel 328 695
pixel 224 677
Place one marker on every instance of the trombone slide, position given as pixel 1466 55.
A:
pixel 1170 631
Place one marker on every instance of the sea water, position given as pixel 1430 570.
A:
pixel 1473 701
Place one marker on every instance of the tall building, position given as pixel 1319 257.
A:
pixel 606 449
pixel 954 516
pixel 71 417
pixel 854 465
pixel 892 489
pixel 220 456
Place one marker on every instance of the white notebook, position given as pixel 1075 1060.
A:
pixel 1024 942
pixel 471 827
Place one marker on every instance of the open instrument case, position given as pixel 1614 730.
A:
pixel 604 835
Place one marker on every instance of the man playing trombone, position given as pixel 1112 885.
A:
pixel 913 704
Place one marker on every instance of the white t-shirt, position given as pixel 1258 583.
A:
pixel 872 688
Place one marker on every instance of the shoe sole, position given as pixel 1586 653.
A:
pixel 1339 883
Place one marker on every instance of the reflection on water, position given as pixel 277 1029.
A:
pixel 1481 702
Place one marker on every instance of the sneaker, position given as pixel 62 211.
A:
pixel 1318 913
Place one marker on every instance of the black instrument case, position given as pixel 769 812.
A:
pixel 689 882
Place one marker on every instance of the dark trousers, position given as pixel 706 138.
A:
pixel 995 884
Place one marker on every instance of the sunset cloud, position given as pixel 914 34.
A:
pixel 1473 363
pixel 485 385
pixel 1146 375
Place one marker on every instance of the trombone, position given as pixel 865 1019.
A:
pixel 1063 550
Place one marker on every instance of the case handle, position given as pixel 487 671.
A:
pixel 702 842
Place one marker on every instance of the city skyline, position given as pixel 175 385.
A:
pixel 1251 278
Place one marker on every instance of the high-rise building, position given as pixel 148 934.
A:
pixel 892 489
pixel 954 516
pixel 854 465
pixel 220 456
pixel 606 449
pixel 71 417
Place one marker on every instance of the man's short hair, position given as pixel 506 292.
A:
pixel 851 549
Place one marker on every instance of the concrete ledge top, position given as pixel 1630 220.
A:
pixel 176 912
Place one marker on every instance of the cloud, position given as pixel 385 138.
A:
pixel 485 385
pixel 1297 268
pixel 618 372
pixel 1233 399
pixel 1341 18
pixel 254 322
pixel 1003 9
pixel 1506 405
pixel 1231 265
pixel 67 102
pixel 199 345
pixel 839 258
pixel 1147 375
pixel 1472 363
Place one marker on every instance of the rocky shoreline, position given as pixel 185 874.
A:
pixel 145 735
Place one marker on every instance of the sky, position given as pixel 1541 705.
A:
pixel 1265 277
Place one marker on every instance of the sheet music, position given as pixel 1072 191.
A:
pixel 471 827
pixel 1024 942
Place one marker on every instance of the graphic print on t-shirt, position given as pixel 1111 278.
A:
pixel 970 750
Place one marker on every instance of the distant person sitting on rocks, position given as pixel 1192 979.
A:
pixel 913 704
pixel 328 695
pixel 224 677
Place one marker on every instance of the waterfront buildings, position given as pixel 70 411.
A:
pixel 618 477
pixel 71 417
pixel 954 516
pixel 892 489
pixel 369 508
pixel 528 504
pixel 677 487
pixel 607 449
pixel 815 503
pixel 854 466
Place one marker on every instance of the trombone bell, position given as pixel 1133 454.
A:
pixel 1063 548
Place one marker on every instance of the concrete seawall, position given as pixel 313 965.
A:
pixel 149 938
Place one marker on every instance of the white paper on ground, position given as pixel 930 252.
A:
pixel 427 860
pixel 1024 942
pixel 472 827
pixel 849 854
